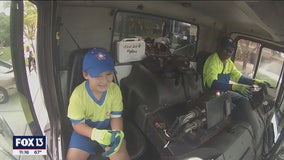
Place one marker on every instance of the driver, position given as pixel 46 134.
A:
pixel 219 73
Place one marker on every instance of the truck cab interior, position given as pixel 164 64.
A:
pixel 159 49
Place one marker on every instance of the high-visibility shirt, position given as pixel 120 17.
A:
pixel 220 72
pixel 84 107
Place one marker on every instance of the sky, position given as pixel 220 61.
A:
pixel 6 11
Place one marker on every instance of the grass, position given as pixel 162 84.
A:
pixel 260 76
pixel 272 82
pixel 5 54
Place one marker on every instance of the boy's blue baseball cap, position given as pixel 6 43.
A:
pixel 97 61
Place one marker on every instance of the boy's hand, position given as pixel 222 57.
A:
pixel 102 136
pixel 243 89
pixel 116 140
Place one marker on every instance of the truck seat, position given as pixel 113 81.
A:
pixel 136 141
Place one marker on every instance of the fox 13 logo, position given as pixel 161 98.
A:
pixel 29 145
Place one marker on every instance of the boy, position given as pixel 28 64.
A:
pixel 95 110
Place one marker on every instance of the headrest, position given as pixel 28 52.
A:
pixel 158 47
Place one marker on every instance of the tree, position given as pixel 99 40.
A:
pixel 30 23
pixel 4 30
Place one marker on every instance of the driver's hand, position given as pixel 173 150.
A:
pixel 261 83
pixel 242 89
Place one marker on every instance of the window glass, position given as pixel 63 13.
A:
pixel 15 111
pixel 246 56
pixel 182 36
pixel 9 102
pixel 270 65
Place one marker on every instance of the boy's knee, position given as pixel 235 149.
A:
pixel 76 154
pixel 122 153
pixel 122 148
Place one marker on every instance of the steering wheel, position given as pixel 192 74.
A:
pixel 257 95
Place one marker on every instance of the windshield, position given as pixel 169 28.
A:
pixel 182 36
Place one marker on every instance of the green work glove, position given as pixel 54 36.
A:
pixel 116 140
pixel 261 83
pixel 102 136
pixel 243 89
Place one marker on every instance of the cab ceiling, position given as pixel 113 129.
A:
pixel 255 18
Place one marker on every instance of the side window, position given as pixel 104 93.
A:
pixel 246 56
pixel 9 100
pixel 256 61
pixel 17 109
pixel 270 66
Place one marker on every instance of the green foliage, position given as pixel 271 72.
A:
pixel 260 76
pixel 268 79
pixel 30 23
pixel 29 30
pixel 5 53
pixel 4 30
